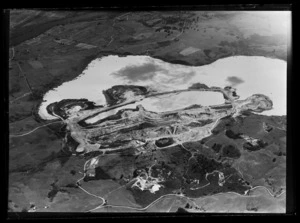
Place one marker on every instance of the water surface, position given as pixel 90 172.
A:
pixel 166 103
pixel 248 74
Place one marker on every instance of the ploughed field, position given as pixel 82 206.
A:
pixel 153 154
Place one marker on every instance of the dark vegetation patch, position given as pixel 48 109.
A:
pixel 145 197
pixel 100 174
pixel 230 134
pixel 181 210
pixel 198 86
pixel 177 156
pixel 62 156
pixel 207 52
pixel 71 185
pixel 206 139
pixel 183 62
pixel 55 189
pixel 163 142
pixel 193 107
pixel 175 162
pixel 172 182
pixel 200 166
pixel 279 153
pixel 163 170
pixel 231 151
pixel 136 173
pixel 216 147
pixel 188 205
pixel 267 127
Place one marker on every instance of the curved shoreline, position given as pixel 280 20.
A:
pixel 101 55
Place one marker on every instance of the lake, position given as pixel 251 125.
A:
pixel 248 74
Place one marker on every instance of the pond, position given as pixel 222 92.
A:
pixel 248 74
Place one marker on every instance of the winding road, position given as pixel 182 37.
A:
pixel 105 204
pixel 31 131
pixel 22 96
